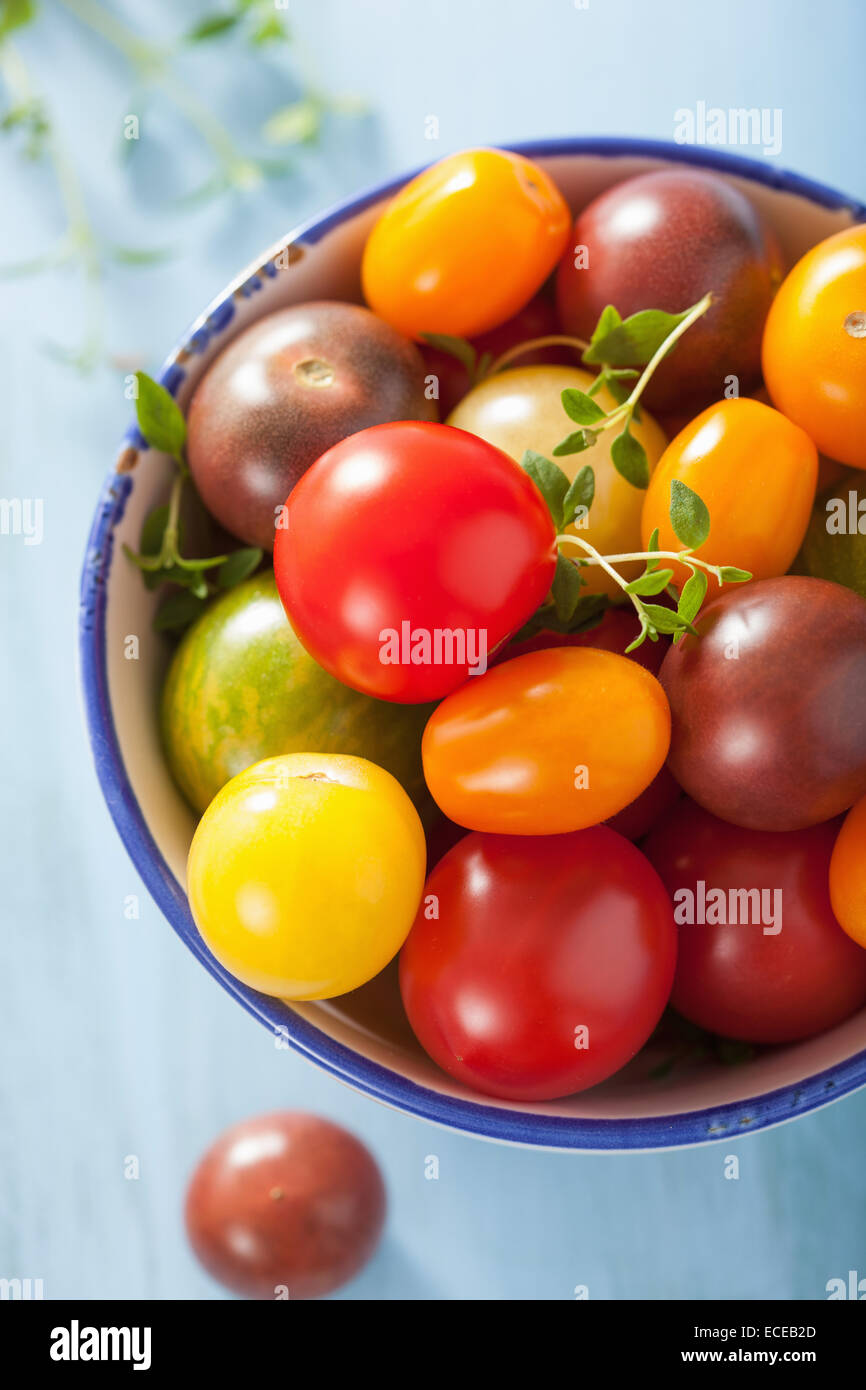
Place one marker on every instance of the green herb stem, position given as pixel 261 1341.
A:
pixel 533 345
pixel 593 557
pixel 636 556
pixel 625 411
pixel 694 313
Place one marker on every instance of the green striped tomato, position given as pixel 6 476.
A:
pixel 242 688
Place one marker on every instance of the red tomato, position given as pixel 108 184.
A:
pixel 538 966
pixel 617 629
pixel 409 553
pixel 785 976
pixel 285 1206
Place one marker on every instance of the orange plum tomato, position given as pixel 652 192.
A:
pixel 848 874
pixel 537 967
pixel 465 245
pixel 305 873
pixel 410 553
pixel 755 471
pixel 521 408
pixel 814 350
pixel 547 743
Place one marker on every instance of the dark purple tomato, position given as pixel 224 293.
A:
pixel 768 703
pixel 285 1206
pixel 661 241
pixel 282 393
pixel 761 957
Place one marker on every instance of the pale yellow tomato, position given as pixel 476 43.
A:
pixel 521 408
pixel 305 874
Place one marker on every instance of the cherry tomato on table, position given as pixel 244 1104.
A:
pixel 755 472
pixel 814 350
pixel 285 1206
pixel 464 245
pixel 411 551
pixel 761 955
pixel 547 743
pixel 546 966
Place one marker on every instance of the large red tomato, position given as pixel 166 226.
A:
pixel 538 966
pixel 783 969
pixel 409 553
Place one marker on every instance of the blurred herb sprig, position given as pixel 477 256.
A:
pixel 152 68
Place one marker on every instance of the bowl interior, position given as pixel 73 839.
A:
pixel 364 1036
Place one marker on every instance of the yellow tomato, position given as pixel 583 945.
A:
pixel 305 874
pixel 465 245
pixel 756 473
pixel 521 409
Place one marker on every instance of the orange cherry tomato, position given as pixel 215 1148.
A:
pixel 464 245
pixel 814 351
pixel 848 874
pixel 755 471
pixel 553 741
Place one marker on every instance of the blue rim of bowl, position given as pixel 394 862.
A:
pixel 391 1088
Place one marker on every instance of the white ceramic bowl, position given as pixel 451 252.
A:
pixel 364 1038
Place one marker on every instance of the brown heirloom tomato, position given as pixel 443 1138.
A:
pixel 282 393
pixel 285 1206
pixel 661 241
pixel 768 703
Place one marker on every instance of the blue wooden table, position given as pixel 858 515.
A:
pixel 113 1041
